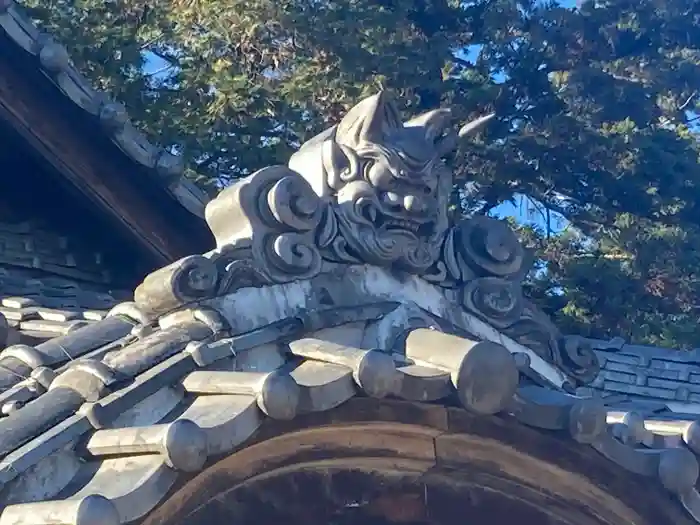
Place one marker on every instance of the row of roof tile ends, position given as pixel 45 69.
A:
pixel 110 414
pixel 56 65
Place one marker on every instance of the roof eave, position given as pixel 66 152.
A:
pixel 163 169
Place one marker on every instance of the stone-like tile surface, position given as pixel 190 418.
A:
pixel 648 376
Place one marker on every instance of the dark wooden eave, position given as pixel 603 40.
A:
pixel 82 154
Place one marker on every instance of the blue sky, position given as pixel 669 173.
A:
pixel 523 210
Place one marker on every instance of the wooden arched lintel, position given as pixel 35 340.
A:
pixel 434 464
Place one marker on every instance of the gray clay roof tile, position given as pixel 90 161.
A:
pixel 37 307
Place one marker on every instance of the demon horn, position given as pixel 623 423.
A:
pixel 451 142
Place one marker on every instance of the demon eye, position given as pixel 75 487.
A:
pixel 379 175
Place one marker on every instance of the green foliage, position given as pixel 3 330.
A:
pixel 595 108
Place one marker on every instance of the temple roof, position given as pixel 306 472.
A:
pixel 304 305
pixel 175 395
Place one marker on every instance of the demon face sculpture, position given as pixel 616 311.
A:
pixel 386 182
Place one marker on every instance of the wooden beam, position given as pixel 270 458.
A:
pixel 76 146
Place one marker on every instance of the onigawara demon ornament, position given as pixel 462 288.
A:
pixel 372 190
pixel 385 182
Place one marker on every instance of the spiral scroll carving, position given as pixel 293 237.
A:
pixel 488 247
pixel 495 300
pixel 484 259
pixel 578 359
pixel 292 204
pixel 572 355
pixel 270 218
pixel 288 255
pixel 182 282
pixel 237 269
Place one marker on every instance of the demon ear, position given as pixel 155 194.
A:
pixel 433 123
pixel 371 121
